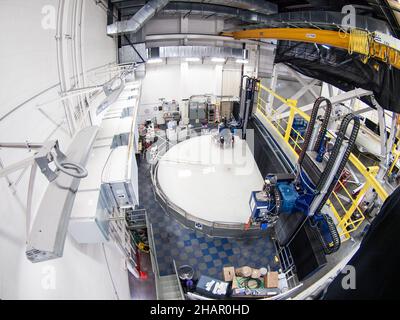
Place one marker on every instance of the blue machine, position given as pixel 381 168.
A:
pixel 279 196
pixel 307 192
pixel 300 125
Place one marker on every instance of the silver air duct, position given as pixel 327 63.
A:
pixel 135 23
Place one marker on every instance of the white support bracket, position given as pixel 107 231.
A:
pixel 299 94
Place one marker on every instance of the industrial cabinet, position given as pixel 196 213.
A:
pixel 193 111
pixel 119 178
pixel 198 111
pixel 92 206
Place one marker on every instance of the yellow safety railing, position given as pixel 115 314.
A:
pixel 345 207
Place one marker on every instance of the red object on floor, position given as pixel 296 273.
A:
pixel 143 275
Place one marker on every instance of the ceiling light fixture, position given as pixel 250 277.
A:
pixel 192 59
pixel 218 59
pixel 244 61
pixel 155 60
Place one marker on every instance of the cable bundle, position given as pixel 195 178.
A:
pixel 360 42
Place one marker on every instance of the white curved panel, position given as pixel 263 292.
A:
pixel 209 182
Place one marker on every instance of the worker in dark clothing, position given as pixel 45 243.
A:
pixel 377 262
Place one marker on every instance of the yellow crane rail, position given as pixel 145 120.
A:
pixel 358 41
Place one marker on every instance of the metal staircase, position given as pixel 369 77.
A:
pixel 169 288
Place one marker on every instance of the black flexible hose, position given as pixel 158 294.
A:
pixel 325 122
pixel 310 127
pixel 336 242
pixel 335 152
pixel 309 131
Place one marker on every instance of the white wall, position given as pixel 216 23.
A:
pixel 28 64
pixel 178 81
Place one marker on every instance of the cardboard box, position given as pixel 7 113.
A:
pixel 271 280
pixel 229 274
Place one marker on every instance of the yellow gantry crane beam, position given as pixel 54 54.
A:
pixel 331 38
pixel 358 41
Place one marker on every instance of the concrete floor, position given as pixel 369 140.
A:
pixel 143 289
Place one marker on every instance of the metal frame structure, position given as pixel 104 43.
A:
pixel 282 125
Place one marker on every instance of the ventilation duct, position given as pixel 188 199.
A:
pixel 135 23
pixel 260 6
pixel 206 9
pixel 196 52
pixel 257 6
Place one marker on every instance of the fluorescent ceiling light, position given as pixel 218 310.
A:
pixel 218 59
pixel 155 60
pixel 242 61
pixel 326 47
pixel 192 59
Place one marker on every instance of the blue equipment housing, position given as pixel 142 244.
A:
pixel 300 125
pixel 315 181
pixel 289 196
pixel 282 195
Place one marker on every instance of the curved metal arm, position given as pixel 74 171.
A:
pixel 71 168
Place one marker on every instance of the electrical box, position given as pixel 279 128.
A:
pixel 92 206
pixel 119 178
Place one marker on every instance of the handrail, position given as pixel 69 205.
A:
pixel 179 281
pixel 153 258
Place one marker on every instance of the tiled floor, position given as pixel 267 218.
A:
pixel 206 255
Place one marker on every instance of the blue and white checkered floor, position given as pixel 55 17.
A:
pixel 206 255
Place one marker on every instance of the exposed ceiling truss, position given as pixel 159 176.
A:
pixel 371 14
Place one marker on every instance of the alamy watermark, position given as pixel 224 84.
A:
pixel 49 17
pixel 350 19
pixel 48 280
pixel 349 278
